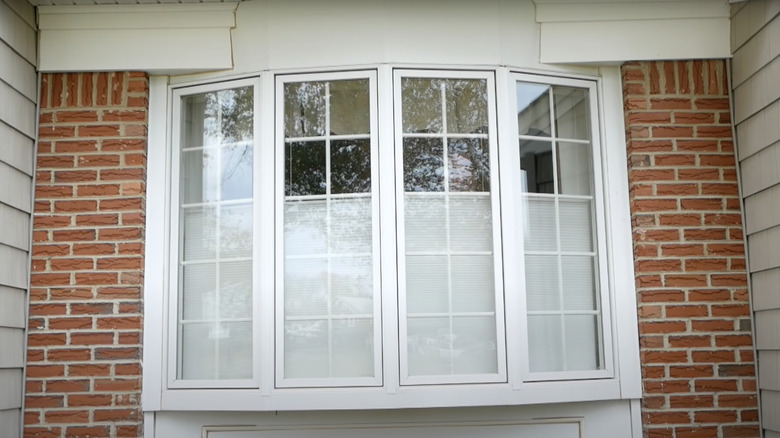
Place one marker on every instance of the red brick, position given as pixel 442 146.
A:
pixel 88 432
pixel 117 385
pixel 69 355
pixel 67 416
pixel 89 370
pixel 670 103
pixel 44 401
pixel 691 401
pixel 98 131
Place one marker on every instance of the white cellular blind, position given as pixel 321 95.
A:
pixel 215 239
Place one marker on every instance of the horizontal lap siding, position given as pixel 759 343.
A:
pixel 756 83
pixel 17 132
pixel 696 346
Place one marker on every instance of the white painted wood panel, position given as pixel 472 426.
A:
pixel 10 421
pixel 12 348
pixel 767 329
pixel 170 38
pixel 11 384
pixel 12 307
pixel 17 32
pixel 13 267
pixel 618 41
pixel 17 188
pixel 766 289
pixel 613 11
pixel 758 131
pixel 17 110
pixel 17 150
pixel 15 229
pixel 769 369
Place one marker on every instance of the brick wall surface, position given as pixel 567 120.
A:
pixel 83 373
pixel 694 318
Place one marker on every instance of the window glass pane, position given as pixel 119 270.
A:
pixel 236 174
pixel 235 286
pixel 572 112
pixel 423 165
pixel 305 286
pixel 579 287
pixel 421 105
pixel 304 109
pixel 200 175
pixel 345 96
pixel 217 118
pixel 329 293
pixel 305 168
pixel 199 229
pixel 350 162
pixel 533 109
pixel 541 282
pixel 545 343
pixel 466 106
pixel 575 176
pixel 448 222
pixel 427 273
pixel 305 227
pixel 472 283
pixel 536 163
pixel 215 222
pixel 199 286
pixel 471 228
pixel 540 224
pixel 468 165
pixel 451 346
pixel 425 218
pixel 576 224
pixel 582 352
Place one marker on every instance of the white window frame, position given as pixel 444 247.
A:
pixel 620 378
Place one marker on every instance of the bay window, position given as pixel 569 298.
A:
pixel 426 233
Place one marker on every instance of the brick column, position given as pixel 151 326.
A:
pixel 694 318
pixel 84 368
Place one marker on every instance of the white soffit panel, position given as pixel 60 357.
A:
pixel 623 30
pixel 155 38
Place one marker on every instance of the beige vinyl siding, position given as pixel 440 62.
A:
pixel 18 88
pixel 755 38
